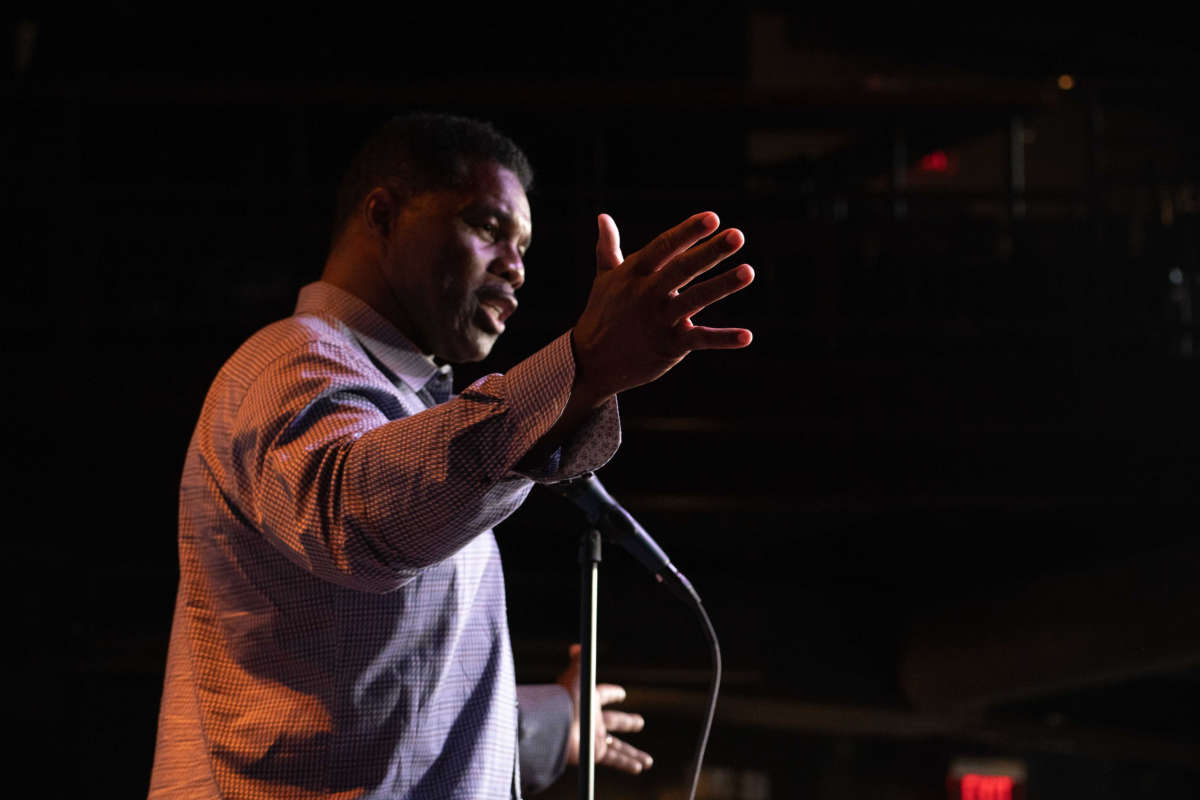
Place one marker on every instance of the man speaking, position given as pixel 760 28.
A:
pixel 340 629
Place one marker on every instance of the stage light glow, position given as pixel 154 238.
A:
pixel 1066 82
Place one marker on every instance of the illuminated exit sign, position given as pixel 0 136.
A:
pixel 985 787
pixel 986 779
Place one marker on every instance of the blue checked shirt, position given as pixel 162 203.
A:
pixel 340 629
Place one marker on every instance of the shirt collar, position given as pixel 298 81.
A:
pixel 380 337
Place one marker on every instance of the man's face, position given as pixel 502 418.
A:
pixel 454 261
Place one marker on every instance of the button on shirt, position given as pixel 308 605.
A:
pixel 340 628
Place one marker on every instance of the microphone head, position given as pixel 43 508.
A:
pixel 615 523
pixel 587 494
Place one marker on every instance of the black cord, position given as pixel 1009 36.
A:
pixel 683 588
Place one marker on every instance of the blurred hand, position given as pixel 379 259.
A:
pixel 610 751
pixel 637 322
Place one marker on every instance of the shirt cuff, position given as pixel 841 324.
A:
pixel 544 716
pixel 588 448
pixel 593 444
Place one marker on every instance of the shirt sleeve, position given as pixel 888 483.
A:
pixel 329 465
pixel 544 716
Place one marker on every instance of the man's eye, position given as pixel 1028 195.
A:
pixel 490 229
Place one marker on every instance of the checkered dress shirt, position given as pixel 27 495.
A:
pixel 340 628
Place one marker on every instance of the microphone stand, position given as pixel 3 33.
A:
pixel 589 576
pixel 606 514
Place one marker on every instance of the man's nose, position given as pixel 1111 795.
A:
pixel 509 266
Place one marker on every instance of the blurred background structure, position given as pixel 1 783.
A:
pixel 943 511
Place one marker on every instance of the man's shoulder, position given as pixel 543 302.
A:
pixel 294 336
pixel 297 332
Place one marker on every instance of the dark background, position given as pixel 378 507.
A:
pixel 944 507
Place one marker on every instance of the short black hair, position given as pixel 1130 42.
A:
pixel 422 152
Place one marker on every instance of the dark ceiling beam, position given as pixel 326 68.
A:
pixel 581 96
pixel 1111 623
pixel 784 715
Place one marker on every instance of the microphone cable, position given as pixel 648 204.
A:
pixel 693 600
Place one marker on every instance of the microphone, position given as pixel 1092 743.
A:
pixel 617 524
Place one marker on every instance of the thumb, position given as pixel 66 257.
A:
pixel 608 244
pixel 569 679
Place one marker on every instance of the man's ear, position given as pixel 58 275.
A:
pixel 379 210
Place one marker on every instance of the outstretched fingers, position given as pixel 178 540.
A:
pixel 611 750
pixel 671 243
pixel 625 757
pixel 701 295
pixel 701 258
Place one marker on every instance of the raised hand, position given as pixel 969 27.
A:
pixel 637 322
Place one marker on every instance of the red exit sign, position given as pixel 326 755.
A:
pixel 986 779
pixel 986 787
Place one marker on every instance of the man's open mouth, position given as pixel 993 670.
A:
pixel 498 304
